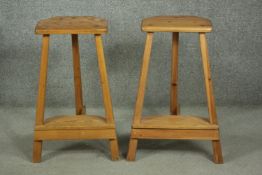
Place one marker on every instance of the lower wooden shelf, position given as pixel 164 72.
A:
pixel 175 127
pixel 75 134
pixel 174 122
pixel 181 134
pixel 77 122
pixel 66 127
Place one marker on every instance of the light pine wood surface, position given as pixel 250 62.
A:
pixel 75 122
pixel 103 79
pixel 217 155
pixel 174 106
pixel 40 105
pixel 175 122
pixel 182 134
pixel 176 24
pixel 175 126
pixel 71 25
pixel 143 77
pixel 75 134
pixel 80 108
pixel 80 126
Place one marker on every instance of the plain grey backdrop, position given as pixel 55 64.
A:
pixel 234 46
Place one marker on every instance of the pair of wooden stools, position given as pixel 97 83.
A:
pixel 84 126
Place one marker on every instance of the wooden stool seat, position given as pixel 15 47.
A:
pixel 71 25
pixel 176 24
pixel 175 122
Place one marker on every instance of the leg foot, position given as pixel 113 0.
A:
pixel 37 151
pixel 114 149
pixel 217 152
pixel 131 155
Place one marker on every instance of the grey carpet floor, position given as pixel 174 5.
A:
pixel 241 133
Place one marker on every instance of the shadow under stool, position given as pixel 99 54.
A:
pixel 80 126
pixel 175 126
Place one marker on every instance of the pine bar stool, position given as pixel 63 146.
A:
pixel 80 126
pixel 175 126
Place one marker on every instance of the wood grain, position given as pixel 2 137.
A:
pixel 217 150
pixel 208 81
pixel 80 109
pixel 174 122
pixel 103 79
pixel 174 107
pixel 79 126
pixel 42 81
pixel 75 134
pixel 176 24
pixel 131 154
pixel 40 106
pixel 113 143
pixel 175 126
pixel 143 78
pixel 72 25
pixel 37 151
pixel 73 122
pixel 106 93
pixel 211 134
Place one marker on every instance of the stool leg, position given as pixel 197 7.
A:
pixel 174 107
pixel 80 109
pixel 37 146
pixel 218 158
pixel 103 79
pixel 131 155
pixel 106 93
pixel 208 81
pixel 143 77
pixel 140 95
pixel 37 151
pixel 114 149
pixel 217 152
